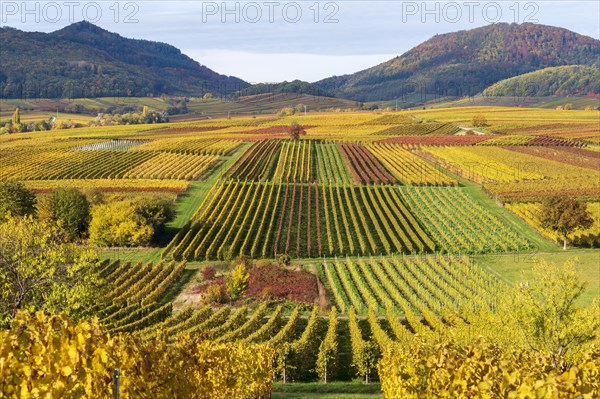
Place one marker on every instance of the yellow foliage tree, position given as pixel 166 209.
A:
pixel 49 356
pixel 237 281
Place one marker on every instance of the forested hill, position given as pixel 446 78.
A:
pixel 466 62
pixel 559 81
pixel 84 60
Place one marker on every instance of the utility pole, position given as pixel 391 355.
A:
pixel 304 109
pixel 396 105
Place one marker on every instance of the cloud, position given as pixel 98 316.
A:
pixel 277 67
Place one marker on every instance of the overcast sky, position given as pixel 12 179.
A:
pixel 269 41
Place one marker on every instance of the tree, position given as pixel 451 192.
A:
pixel 237 281
pixel 295 131
pixel 71 209
pixel 145 110
pixel 479 120
pixel 40 270
pixel 286 111
pixel 564 215
pixel 156 211
pixel 589 108
pixel 16 200
pixel 568 107
pixel 207 96
pixel 118 224
pixel 545 311
pixel 16 117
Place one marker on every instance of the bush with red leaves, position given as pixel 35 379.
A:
pixel 208 273
pixel 279 283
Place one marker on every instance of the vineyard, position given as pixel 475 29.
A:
pixel 399 297
pixel 409 168
pixel 261 219
pixel 364 166
pixel 468 227
pixel 438 140
pixel 418 129
pixel 389 225
pixel 419 289
pixel 174 167
pixel 137 294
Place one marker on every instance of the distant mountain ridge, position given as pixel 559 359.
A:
pixel 84 60
pixel 569 80
pixel 466 62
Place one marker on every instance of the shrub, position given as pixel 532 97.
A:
pixel 118 224
pixel 71 209
pixel 284 260
pixel 215 293
pixel 16 200
pixel 208 273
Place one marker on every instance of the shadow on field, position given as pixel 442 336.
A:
pixel 175 288
pixel 164 237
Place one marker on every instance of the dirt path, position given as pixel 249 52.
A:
pixel 324 304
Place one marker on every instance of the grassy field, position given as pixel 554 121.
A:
pixel 332 390
pixel 513 268
pixel 187 203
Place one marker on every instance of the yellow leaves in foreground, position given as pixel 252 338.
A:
pixel 49 356
pixel 483 371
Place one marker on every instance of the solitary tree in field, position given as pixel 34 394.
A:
pixel 16 118
pixel 479 120
pixel 546 312
pixel 295 131
pixel 564 215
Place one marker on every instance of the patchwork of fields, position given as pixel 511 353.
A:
pixel 356 184
pixel 381 214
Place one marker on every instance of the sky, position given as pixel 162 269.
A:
pixel 272 41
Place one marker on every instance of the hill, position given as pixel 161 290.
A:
pixel 296 87
pixel 466 62
pixel 553 81
pixel 84 60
